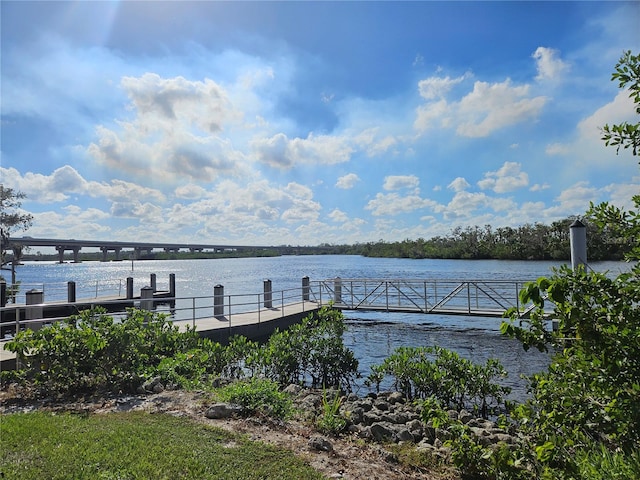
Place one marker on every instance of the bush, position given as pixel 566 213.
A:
pixel 258 396
pixel 435 372
pixel 91 351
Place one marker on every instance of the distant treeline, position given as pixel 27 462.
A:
pixel 527 242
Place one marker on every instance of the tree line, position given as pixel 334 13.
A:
pixel 527 242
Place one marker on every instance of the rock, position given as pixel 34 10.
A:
pixel 223 410
pixel 404 435
pixel 293 389
pixel 382 431
pixel 320 443
pixel 464 416
pixel 381 404
pixel 395 397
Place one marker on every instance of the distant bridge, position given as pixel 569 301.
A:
pixel 139 248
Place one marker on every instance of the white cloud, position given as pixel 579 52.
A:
pixel 397 182
pixel 65 181
pixel 507 178
pixel 438 87
pixel 190 191
pixel 550 67
pixel 557 149
pixel 347 181
pixel 281 152
pixel 487 108
pixel 490 107
pixel 394 204
pixel 338 216
pixel 458 185
pixel 175 133
pixel 539 187
pixel 464 204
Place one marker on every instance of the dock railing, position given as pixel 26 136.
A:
pixel 453 297
pixel 489 298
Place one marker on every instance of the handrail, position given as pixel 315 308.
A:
pixel 435 296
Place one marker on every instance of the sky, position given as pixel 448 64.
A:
pixel 302 123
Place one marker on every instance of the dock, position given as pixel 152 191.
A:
pixel 257 325
pixel 256 316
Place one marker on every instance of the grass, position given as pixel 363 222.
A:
pixel 135 445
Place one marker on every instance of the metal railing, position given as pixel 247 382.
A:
pixel 57 291
pixel 224 308
pixel 489 298
pixel 448 297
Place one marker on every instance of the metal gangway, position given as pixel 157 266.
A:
pixel 487 298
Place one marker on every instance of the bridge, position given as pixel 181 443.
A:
pixel 139 248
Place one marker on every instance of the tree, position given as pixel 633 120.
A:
pixel 626 135
pixel 589 399
pixel 12 219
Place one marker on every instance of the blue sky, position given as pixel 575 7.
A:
pixel 263 123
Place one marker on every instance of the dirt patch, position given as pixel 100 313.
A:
pixel 348 458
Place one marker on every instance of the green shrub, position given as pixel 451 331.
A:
pixel 424 372
pixel 258 396
pixel 331 421
pixel 92 351
pixel 311 350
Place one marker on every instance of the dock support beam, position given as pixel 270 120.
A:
pixel 172 285
pixel 305 289
pixel 129 288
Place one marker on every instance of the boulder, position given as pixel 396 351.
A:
pixel 223 410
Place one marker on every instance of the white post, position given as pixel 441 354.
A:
pixel 578 241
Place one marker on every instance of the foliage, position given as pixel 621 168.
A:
pixel 258 396
pixel 312 349
pixel 626 135
pixel 92 351
pixel 12 218
pixel 526 242
pixel 331 421
pixel 435 372
pixel 136 445
pixel 585 410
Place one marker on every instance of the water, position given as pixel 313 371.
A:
pixel 371 335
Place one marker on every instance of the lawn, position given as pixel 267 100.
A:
pixel 135 445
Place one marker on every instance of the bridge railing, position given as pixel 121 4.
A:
pixel 471 297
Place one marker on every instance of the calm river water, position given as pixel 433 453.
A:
pixel 371 335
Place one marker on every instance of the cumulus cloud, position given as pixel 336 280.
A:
pixel 281 152
pixel 507 178
pixel 397 182
pixel 490 107
pixel 175 132
pixel 458 185
pixel 487 108
pixel 347 181
pixel 550 66
pixel 66 181
pixel 338 216
pixel 438 87
pixel 394 204
pixel 189 191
